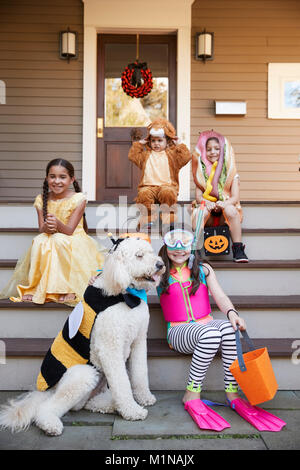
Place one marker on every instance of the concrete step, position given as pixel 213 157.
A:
pixel 264 316
pixel 168 429
pixel 172 372
pixel 168 370
pixel 27 331
pixel 265 292
pixel 258 277
pixel 14 243
pixel 264 244
pixel 261 244
pixel 270 214
pixel 168 435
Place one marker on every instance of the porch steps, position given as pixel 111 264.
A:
pixel 273 322
pixel 265 291
pixel 264 315
pixel 261 244
pixel 259 215
pixel 257 277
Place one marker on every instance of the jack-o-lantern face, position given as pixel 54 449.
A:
pixel 216 244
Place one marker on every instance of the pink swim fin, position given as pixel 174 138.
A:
pixel 205 417
pixel 259 418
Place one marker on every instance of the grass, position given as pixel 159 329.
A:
pixel 189 436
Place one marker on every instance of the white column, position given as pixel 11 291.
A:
pixel 183 103
pixel 89 113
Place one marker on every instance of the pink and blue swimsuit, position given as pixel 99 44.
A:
pixel 192 329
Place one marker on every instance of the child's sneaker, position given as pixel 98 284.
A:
pixel 239 255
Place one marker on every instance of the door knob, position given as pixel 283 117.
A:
pixel 100 128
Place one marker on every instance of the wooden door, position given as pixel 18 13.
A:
pixel 118 114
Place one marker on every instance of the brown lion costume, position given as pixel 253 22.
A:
pixel 159 183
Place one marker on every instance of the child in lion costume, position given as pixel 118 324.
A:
pixel 160 156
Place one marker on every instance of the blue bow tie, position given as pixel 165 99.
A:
pixel 138 293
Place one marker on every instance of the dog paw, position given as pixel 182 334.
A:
pixel 101 403
pixel 54 432
pixel 51 425
pixel 134 413
pixel 145 399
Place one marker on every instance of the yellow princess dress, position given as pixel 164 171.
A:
pixel 56 264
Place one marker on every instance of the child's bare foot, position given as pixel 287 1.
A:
pixel 70 297
pixel 190 396
pixel 232 395
pixel 27 298
pixel 66 297
pixel 92 280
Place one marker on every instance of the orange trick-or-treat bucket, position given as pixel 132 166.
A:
pixel 253 372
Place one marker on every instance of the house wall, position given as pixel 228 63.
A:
pixel 248 35
pixel 42 117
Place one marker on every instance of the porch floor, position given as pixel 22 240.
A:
pixel 167 428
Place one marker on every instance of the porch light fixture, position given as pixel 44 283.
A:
pixel 204 46
pixel 68 45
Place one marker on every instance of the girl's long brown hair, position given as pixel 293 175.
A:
pixel 70 169
pixel 164 283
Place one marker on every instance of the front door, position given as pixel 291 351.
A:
pixel 118 113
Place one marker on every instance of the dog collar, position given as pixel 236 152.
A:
pixel 141 293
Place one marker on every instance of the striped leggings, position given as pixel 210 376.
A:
pixel 203 341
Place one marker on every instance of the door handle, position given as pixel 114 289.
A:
pixel 100 128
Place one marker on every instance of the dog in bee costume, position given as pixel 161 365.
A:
pixel 86 364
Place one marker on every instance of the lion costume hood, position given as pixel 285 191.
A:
pixel 162 128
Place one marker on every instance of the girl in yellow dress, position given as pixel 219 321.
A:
pixel 62 258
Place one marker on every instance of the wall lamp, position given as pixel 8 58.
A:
pixel 68 45
pixel 204 46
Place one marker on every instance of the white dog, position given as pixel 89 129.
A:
pixel 118 333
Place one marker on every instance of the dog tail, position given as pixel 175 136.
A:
pixel 18 413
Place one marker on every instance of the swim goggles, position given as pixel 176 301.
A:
pixel 178 240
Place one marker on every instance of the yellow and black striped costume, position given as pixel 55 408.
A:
pixel 65 352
